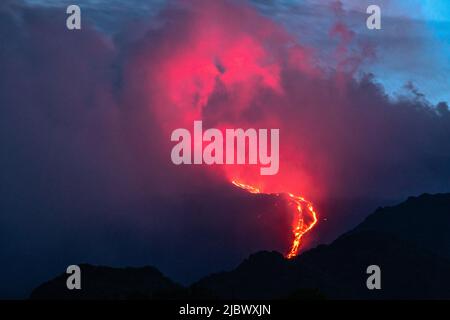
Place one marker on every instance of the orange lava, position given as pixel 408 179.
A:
pixel 303 208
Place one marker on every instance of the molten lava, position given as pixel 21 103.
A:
pixel 303 224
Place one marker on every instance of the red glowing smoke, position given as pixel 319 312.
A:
pixel 225 64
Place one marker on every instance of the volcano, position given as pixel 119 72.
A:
pixel 411 251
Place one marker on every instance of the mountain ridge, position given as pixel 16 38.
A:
pixel 409 248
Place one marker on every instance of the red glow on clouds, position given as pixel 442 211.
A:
pixel 223 63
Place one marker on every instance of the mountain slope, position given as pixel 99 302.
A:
pixel 413 260
pixel 424 221
pixel 99 282
pixel 410 242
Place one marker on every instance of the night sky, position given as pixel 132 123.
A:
pixel 86 117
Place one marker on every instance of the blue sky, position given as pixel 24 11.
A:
pixel 413 45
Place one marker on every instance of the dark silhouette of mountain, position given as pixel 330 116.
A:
pixel 423 220
pixel 409 242
pixel 402 240
pixel 100 282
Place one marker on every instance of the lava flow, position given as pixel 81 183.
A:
pixel 301 227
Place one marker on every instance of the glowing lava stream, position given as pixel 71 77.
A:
pixel 302 227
